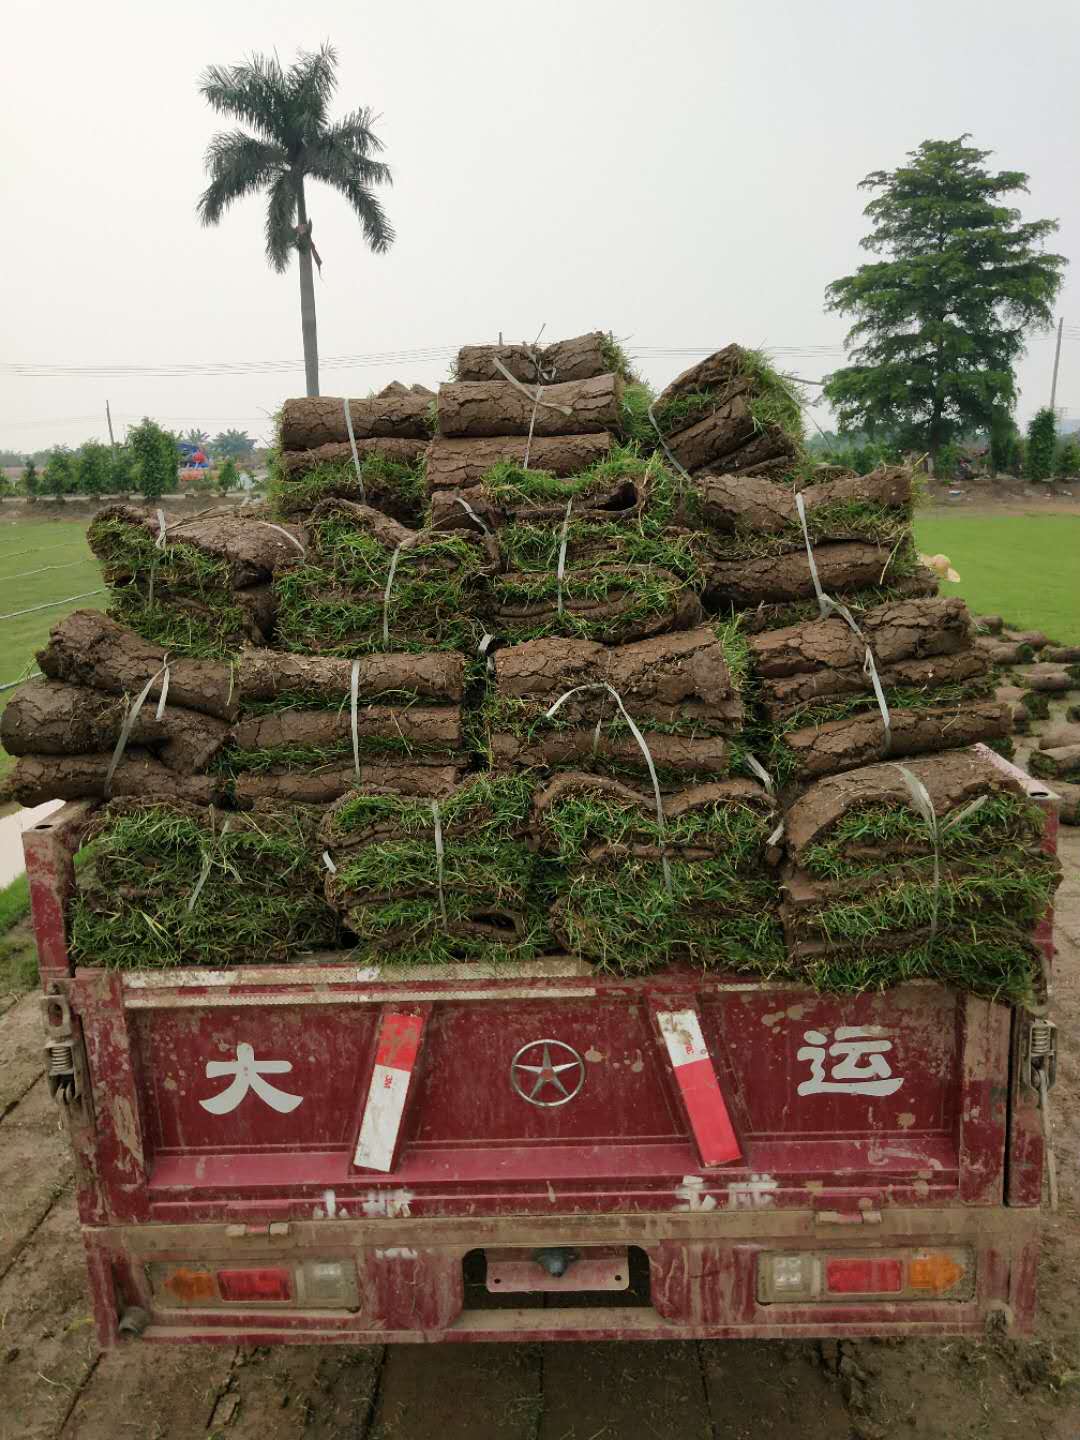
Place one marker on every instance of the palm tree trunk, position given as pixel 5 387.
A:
pixel 307 294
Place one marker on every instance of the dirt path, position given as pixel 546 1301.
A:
pixel 55 1386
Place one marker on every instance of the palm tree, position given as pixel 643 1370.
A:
pixel 294 139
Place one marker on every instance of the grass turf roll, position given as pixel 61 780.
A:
pixel 334 602
pixel 386 885
pixel 261 901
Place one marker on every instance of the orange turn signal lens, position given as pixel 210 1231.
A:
pixel 934 1273
pixel 188 1285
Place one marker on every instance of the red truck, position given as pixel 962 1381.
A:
pixel 324 1152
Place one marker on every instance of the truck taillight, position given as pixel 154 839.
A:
pixel 793 1279
pixel 189 1285
pixel 864 1277
pixel 255 1285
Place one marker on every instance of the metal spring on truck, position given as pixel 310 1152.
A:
pixel 61 1060
pixel 1041 1041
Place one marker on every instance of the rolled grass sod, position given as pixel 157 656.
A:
pixel 1025 567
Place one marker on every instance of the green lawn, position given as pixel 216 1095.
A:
pixel 1024 567
pixel 40 561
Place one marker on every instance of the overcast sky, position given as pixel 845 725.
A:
pixel 682 173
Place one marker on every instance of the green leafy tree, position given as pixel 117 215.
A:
pixel 60 473
pixel 940 319
pixel 94 469
pixel 1003 438
pixel 154 453
pixel 228 477
pixel 121 470
pixel 236 443
pixel 9 458
pixel 1067 459
pixel 1041 444
pixel 30 481
pixel 196 437
pixel 294 141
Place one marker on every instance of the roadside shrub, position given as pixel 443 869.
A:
pixel 1041 444
pixel 1067 460
pixel 60 473
pixel 155 455
pixel 228 477
pixel 1004 444
pixel 93 469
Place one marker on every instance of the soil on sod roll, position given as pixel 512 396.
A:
pixel 49 717
pixel 580 358
pixel 297 737
pixel 139 904
pixel 842 566
pixel 393 483
pixel 730 504
pixel 784 698
pixel 921 584
pixel 307 423
pixel 897 631
pixel 1062 763
pixel 36 779
pixel 462 464
pixel 326 781
pixel 88 648
pixel 335 602
pixel 496 407
pixel 491 901
pixel 859 739
pixel 685 682
pixel 273 675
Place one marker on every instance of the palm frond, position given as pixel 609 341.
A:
pixel 346 174
pixel 238 165
pixel 255 92
pixel 354 131
pixel 281 222
pixel 312 80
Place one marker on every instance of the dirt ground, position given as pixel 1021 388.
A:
pixel 54 1385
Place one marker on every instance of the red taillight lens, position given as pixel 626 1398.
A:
pixel 240 1285
pixel 864 1277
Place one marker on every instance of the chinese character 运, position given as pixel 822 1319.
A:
pixel 858 1065
pixel 247 1073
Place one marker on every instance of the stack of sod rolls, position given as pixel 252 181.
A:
pixel 542 667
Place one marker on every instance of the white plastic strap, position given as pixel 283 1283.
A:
pixel 547 404
pixel 552 710
pixel 159 543
pixel 484 526
pixel 762 774
pixel 129 723
pixel 403 544
pixel 486 642
pixel 355 453
pixel 827 606
pixel 354 691
pixel 291 538
pixel 193 898
pixel 328 862
pixel 664 445
pixel 777 835
pixel 164 687
pixel 437 817
pixel 561 571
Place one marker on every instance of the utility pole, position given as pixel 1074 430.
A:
pixel 1057 359
pixel 112 441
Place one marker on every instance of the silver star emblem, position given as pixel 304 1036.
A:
pixel 530 1079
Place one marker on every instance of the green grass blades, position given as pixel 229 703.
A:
pixel 215 633
pixel 998 964
pixel 495 806
pixel 610 604
pixel 261 900
pixel 841 520
pixel 336 606
pixel 849 850
pixel 129 549
pixel 1005 888
pixel 774 400
pixel 399 489
pixel 622 918
pixel 736 830
pixel 1020 566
